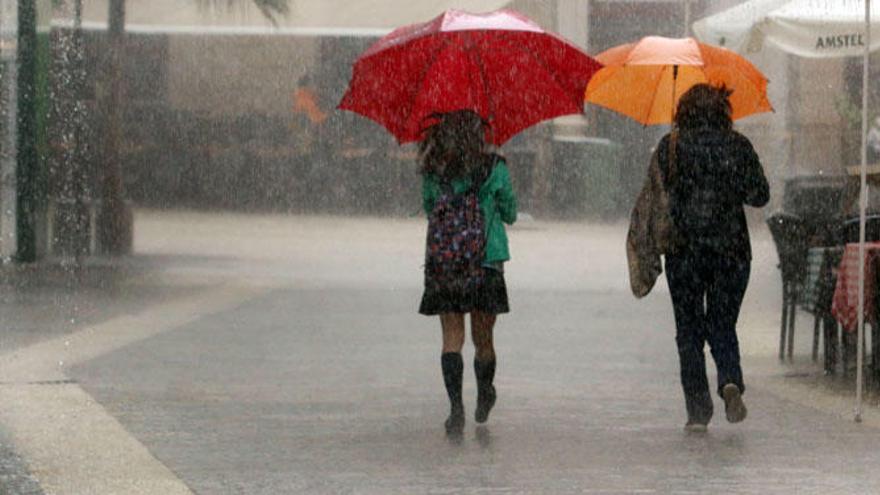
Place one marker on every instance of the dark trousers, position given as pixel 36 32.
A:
pixel 707 291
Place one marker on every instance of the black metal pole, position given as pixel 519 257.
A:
pixel 27 161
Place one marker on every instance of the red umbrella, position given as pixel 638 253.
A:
pixel 499 64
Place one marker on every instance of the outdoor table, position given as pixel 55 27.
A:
pixel 845 302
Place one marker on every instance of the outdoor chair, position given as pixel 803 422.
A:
pixel 791 240
pixel 822 292
pixel 850 229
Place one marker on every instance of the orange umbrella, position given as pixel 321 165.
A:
pixel 645 79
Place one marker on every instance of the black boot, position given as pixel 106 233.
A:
pixel 485 371
pixel 453 369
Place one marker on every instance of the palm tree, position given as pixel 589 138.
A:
pixel 115 221
pixel 271 9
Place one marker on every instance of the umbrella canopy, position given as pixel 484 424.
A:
pixel 499 64
pixel 644 80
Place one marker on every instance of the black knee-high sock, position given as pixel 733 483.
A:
pixel 453 369
pixel 485 372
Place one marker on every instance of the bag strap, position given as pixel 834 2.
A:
pixel 673 145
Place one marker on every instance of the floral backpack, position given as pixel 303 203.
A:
pixel 456 240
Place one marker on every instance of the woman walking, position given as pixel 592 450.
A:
pixel 710 171
pixel 467 196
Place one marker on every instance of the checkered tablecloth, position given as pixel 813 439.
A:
pixel 845 304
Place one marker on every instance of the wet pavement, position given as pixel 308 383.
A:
pixel 324 380
pixel 274 397
pixel 15 478
pixel 46 300
pixel 39 302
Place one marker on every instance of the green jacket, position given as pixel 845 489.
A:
pixel 497 201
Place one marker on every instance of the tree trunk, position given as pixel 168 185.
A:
pixel 114 229
pixel 8 134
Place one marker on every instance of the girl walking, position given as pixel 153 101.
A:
pixel 710 171
pixel 468 197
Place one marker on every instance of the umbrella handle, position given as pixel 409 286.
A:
pixel 672 107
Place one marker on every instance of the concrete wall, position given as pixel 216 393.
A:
pixel 237 74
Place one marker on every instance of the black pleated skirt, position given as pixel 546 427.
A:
pixel 491 298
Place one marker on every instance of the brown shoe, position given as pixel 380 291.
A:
pixel 733 403
pixel 696 427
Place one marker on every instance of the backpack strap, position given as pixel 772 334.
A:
pixel 446 186
pixel 478 177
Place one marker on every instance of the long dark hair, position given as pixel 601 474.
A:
pixel 454 145
pixel 704 106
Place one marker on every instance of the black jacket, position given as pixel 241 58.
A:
pixel 715 173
